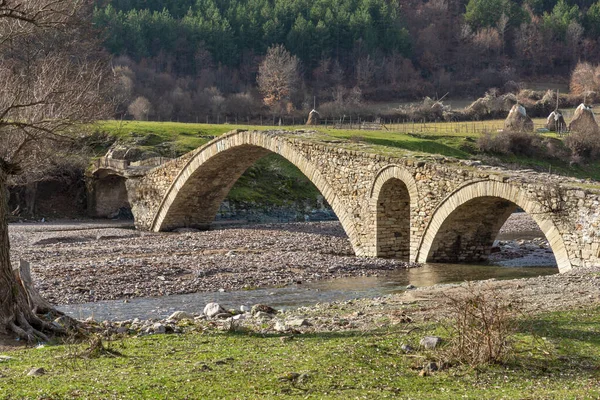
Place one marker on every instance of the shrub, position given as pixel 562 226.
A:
pixel 481 326
pixel 511 142
pixel 584 146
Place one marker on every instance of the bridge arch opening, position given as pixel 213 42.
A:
pixel 198 191
pixel 466 224
pixel 394 193
pixel 393 221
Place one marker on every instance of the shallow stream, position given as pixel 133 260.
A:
pixel 301 294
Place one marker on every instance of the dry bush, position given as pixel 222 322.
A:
pixel 584 147
pixel 511 142
pixel 482 324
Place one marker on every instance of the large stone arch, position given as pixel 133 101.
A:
pixel 492 202
pixel 393 199
pixel 195 195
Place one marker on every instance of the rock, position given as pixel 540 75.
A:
pixel 430 367
pixel 262 308
pixel 222 315
pixel 65 322
pixel 280 326
pixel 179 315
pixel 409 287
pixel 262 315
pixel 430 342
pixel 239 317
pixel 159 328
pixel 5 358
pixel 406 348
pixel 36 372
pixel 244 309
pixel 122 329
pixel 297 322
pixel 212 309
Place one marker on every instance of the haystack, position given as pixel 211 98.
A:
pixel 556 122
pixel 584 120
pixel 517 120
pixel 313 118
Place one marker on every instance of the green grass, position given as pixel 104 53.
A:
pixel 558 357
pixel 184 136
pixel 458 140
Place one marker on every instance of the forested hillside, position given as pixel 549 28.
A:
pixel 190 59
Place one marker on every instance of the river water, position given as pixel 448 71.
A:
pixel 303 294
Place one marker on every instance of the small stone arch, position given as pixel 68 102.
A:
pixel 393 198
pixel 195 195
pixel 501 197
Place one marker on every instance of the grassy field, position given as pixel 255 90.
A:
pixel 557 357
pixel 457 140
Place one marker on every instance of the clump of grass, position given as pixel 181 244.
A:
pixel 96 349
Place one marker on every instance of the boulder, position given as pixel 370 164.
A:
pixel 213 309
pixel 517 120
pixel 179 315
pixel 584 120
pixel 159 328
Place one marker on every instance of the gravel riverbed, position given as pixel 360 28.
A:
pixel 77 262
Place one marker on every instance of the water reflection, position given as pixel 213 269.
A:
pixel 299 295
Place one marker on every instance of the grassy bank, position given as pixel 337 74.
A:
pixel 557 357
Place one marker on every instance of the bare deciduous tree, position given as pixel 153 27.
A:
pixel 278 78
pixel 52 75
pixel 140 108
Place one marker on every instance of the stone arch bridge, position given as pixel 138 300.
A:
pixel 416 209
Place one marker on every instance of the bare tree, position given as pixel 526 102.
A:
pixel 52 75
pixel 140 108
pixel 278 78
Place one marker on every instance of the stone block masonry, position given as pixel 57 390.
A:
pixel 412 208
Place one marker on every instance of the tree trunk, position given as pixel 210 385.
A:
pixel 16 308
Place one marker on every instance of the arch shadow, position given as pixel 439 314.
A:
pixel 465 224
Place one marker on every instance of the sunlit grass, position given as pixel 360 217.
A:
pixel 558 355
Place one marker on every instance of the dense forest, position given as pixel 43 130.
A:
pixel 185 59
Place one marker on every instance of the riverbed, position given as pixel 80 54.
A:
pixel 94 261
